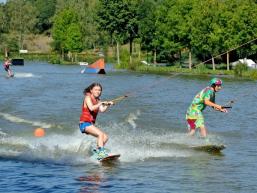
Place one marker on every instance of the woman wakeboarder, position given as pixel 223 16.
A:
pixel 90 108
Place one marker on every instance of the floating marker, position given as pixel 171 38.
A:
pixel 39 132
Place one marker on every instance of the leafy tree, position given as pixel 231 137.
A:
pixel 174 26
pixel 46 10
pixel 66 32
pixel 21 18
pixel 147 26
pixel 240 25
pixel 73 41
pixel 120 19
pixel 92 35
pixel 206 30
pixel 220 25
pixel 111 20
pixel 133 22
pixel 3 19
pixel 86 11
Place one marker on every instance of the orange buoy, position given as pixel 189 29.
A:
pixel 39 132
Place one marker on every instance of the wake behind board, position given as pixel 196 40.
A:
pixel 209 148
pixel 110 158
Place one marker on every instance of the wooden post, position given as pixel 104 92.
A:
pixel 228 61
pixel 190 60
pixel 213 63
pixel 154 61
pixel 62 54
pixel 5 52
pixel 118 53
pixel 130 50
pixel 180 55
pixel 139 52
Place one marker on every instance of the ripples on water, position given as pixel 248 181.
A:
pixel 147 129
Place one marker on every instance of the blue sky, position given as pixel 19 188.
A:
pixel 1 1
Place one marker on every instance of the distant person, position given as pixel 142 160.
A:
pixel 204 98
pixel 90 108
pixel 6 65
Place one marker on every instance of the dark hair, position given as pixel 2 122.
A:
pixel 213 86
pixel 91 86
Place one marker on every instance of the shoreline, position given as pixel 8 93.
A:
pixel 53 58
pixel 248 75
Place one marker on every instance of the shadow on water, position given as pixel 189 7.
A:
pixel 97 178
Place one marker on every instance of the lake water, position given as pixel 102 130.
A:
pixel 147 128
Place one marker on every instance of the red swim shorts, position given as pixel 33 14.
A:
pixel 191 124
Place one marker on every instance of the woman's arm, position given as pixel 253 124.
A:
pixel 88 103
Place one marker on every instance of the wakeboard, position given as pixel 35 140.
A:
pixel 110 158
pixel 209 148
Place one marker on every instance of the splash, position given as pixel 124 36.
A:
pixel 58 149
pixel 132 117
pixel 75 149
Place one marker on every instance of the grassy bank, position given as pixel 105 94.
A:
pixel 240 70
pixel 244 73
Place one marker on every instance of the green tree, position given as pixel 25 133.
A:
pixel 21 19
pixel 120 19
pixel 207 29
pixel 240 25
pixel 46 10
pixel 86 11
pixel 147 26
pixel 66 32
pixel 221 25
pixel 92 36
pixel 73 41
pixel 3 19
pixel 173 25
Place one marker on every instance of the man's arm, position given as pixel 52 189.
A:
pixel 215 106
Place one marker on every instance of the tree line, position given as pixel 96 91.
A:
pixel 164 28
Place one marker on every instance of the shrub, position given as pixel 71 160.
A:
pixel 55 60
pixel 201 68
pixel 239 69
pixel 253 74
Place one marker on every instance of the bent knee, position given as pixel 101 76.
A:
pixel 102 135
pixel 106 137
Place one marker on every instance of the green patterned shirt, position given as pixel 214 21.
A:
pixel 197 106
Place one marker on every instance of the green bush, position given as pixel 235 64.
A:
pixel 55 60
pixel 201 68
pixel 253 74
pixel 125 60
pixel 239 69
pixel 136 63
